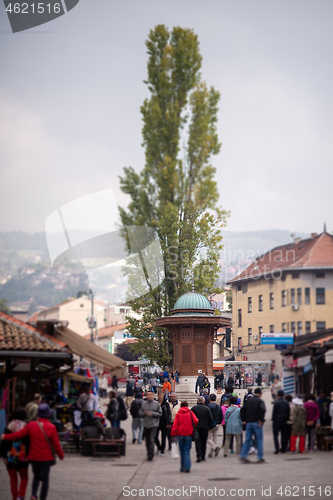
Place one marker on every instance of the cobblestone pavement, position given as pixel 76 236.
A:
pixel 85 478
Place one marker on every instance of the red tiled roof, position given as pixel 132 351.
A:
pixel 312 253
pixel 15 335
pixel 109 330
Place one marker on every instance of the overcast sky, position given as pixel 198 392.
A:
pixel 71 90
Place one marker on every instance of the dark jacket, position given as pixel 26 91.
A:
pixel 204 415
pixel 206 396
pixel 166 414
pixel 216 412
pixel 230 381
pixel 135 407
pixel 129 391
pixel 253 410
pixel 281 410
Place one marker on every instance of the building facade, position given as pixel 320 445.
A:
pixel 287 290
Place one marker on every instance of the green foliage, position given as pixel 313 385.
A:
pixel 228 298
pixel 4 306
pixel 175 193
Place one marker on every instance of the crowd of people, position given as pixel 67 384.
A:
pixel 164 423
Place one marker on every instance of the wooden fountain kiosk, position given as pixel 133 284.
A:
pixel 193 326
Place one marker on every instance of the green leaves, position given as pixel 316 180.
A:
pixel 175 192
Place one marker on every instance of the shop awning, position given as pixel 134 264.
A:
pixel 91 352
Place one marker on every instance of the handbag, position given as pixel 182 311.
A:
pixel 195 435
pixel 48 441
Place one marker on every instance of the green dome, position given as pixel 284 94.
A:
pixel 193 300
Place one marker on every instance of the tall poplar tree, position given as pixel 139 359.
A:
pixel 175 193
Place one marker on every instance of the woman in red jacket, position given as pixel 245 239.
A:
pixel 42 435
pixel 183 427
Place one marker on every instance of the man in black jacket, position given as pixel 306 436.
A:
pixel 253 415
pixel 280 416
pixel 137 422
pixel 212 433
pixel 199 382
pixel 205 423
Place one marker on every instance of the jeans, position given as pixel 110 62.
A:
pixel 137 425
pixel 115 423
pixel 185 444
pixel 150 436
pixel 311 430
pixel 13 474
pixel 200 445
pixel 41 471
pixel 253 428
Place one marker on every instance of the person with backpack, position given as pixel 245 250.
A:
pixel 43 439
pixel 14 454
pixel 137 421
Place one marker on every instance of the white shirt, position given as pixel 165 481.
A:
pixel 87 404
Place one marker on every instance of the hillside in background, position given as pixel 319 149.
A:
pixel 26 273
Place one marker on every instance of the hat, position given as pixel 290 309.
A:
pixel 44 411
pixel 280 393
pixel 297 401
pixel 257 390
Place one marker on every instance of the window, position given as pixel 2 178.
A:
pixel 271 328
pixel 260 303
pixel 244 288
pixel 283 277
pixel 294 276
pixel 284 298
pixel 320 275
pixel 271 300
pixel 239 317
pixel 249 304
pixel 260 333
pixel 307 296
pixel 321 325
pixel 239 287
pixel 293 327
pixel 307 327
pixel 292 296
pixel 284 327
pixel 299 296
pixel 299 328
pixel 320 295
pixel 249 333
pixel 240 344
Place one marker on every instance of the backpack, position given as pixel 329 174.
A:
pixel 122 408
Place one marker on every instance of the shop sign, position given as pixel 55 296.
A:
pixel 290 362
pixel 277 338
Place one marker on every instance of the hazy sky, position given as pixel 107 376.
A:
pixel 71 90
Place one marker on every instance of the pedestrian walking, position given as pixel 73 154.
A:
pixel 113 410
pixel 151 413
pixel 174 408
pixel 259 379
pixel 312 419
pixel 205 423
pixel 323 403
pixel 280 417
pixel 104 385
pixel 234 426
pixel 183 427
pixel 205 395
pixel 231 381
pixel 114 382
pixel 165 421
pixel 225 402
pixel 153 383
pixel 276 386
pixel 298 425
pixel 248 395
pixel 129 395
pixel 14 454
pixel 212 433
pixel 137 421
pixel 289 398
pixel 253 415
pixel 199 383
pixel 43 436
pixel 166 388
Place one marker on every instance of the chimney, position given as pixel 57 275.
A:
pixel 313 235
pixel 297 240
